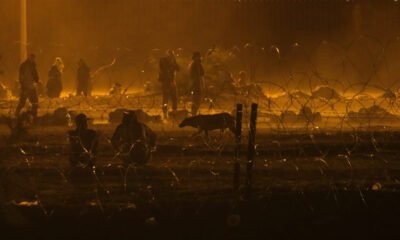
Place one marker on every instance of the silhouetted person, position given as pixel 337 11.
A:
pixel 54 84
pixel 168 69
pixel 83 79
pixel 28 79
pixel 83 143
pixel 133 140
pixel 196 72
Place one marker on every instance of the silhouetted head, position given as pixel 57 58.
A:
pixel 133 116
pixel 129 117
pixel 81 62
pixel 31 57
pixel 196 56
pixel 126 118
pixel 81 121
pixel 58 62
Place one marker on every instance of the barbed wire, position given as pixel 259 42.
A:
pixel 358 106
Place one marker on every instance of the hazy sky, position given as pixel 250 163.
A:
pixel 95 29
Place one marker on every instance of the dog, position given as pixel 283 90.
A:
pixel 205 123
pixel 178 116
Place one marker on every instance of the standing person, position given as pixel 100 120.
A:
pixel 168 69
pixel 83 143
pixel 83 79
pixel 54 84
pixel 28 80
pixel 133 140
pixel 196 72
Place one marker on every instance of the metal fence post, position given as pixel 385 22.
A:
pixel 251 151
pixel 238 135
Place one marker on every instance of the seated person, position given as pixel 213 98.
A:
pixel 83 143
pixel 133 140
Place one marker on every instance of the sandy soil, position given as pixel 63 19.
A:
pixel 320 185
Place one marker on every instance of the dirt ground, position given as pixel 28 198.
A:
pixel 306 185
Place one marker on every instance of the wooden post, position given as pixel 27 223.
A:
pixel 238 135
pixel 251 151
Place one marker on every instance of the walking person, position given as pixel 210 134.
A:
pixel 168 69
pixel 28 80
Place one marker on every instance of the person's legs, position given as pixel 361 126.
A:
pixel 89 88
pixel 174 98
pixel 58 89
pixel 78 90
pixel 196 102
pixel 166 92
pixel 33 98
pixel 85 90
pixel 21 102
pixel 49 89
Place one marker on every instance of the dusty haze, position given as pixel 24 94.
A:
pixel 100 30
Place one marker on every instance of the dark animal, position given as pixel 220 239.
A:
pixel 178 116
pixel 205 123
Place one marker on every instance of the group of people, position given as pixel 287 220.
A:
pixel 168 69
pixel 54 84
pixel 29 79
pixel 132 140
